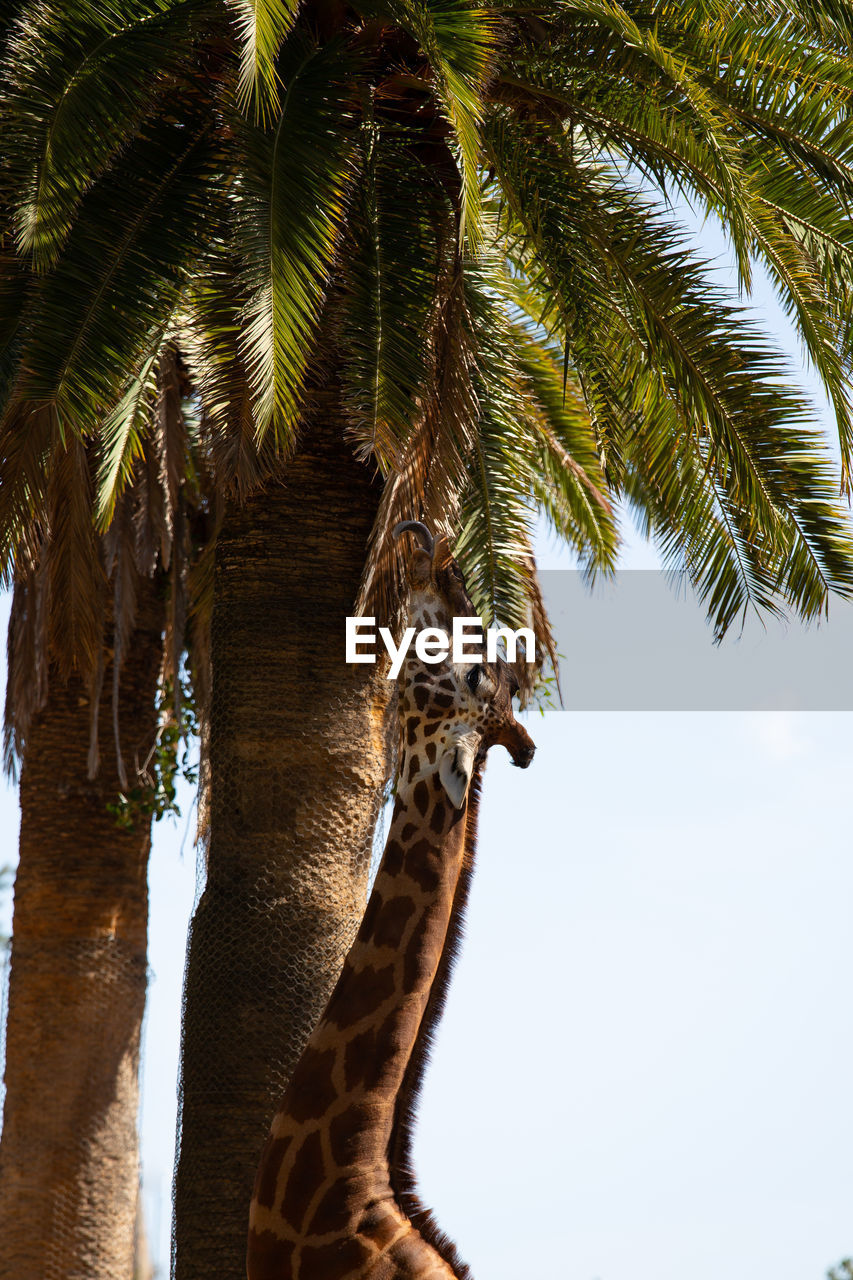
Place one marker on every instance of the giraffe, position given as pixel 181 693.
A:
pixel 334 1195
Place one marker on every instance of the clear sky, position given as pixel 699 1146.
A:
pixel 643 1072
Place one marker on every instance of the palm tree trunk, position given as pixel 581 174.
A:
pixel 298 756
pixel 69 1165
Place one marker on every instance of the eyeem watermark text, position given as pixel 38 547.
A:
pixel 433 644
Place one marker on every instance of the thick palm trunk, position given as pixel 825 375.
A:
pixel 69 1165
pixel 298 756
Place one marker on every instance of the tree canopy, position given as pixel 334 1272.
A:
pixel 462 217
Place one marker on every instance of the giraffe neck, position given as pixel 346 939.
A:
pixel 325 1201
pixel 403 1180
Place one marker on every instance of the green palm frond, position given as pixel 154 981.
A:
pixel 534 449
pixel 107 304
pixel 651 319
pixel 568 483
pixel 830 21
pixel 736 556
pixel 778 105
pixel 210 330
pixel 431 473
pixel 262 26
pixel 29 437
pixel 459 40
pixel 498 512
pixel 76 84
pixel 289 208
pixel 398 255
pixel 121 439
pixel 665 62
pixel 725 560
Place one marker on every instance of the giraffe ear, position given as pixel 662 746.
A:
pixel 456 766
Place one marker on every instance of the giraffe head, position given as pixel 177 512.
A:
pixel 452 712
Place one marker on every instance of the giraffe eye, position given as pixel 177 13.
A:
pixel 472 679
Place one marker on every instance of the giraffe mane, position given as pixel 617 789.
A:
pixel 400 1165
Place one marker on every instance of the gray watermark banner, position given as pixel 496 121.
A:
pixel 640 642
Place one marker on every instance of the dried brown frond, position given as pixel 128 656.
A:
pixel 210 343
pixel 171 440
pixel 120 551
pixel 176 612
pixel 199 586
pixel 93 760
pixel 528 673
pixel 28 437
pixel 77 582
pixel 240 466
pixel 151 526
pixel 27 668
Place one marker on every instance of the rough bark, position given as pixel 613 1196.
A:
pixel 298 756
pixel 69 1163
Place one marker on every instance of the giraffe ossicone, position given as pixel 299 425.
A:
pixel 334 1196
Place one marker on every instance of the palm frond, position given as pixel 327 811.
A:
pixel 76 84
pixel 431 475
pixel 76 578
pixel 120 439
pixel 262 26
pixel 210 330
pixel 460 41
pixel 107 305
pixel 288 216
pixel 736 560
pixel 568 482
pixel 172 440
pixel 774 98
pixel 27 666
pixel 28 439
pixel 395 259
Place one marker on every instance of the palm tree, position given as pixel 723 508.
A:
pixel 419 261
pixel 92 731
pixel 69 1157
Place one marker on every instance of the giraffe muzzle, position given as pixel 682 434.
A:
pixel 520 746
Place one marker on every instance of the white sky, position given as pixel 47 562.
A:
pixel 643 1072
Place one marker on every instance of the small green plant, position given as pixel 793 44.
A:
pixel 154 790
